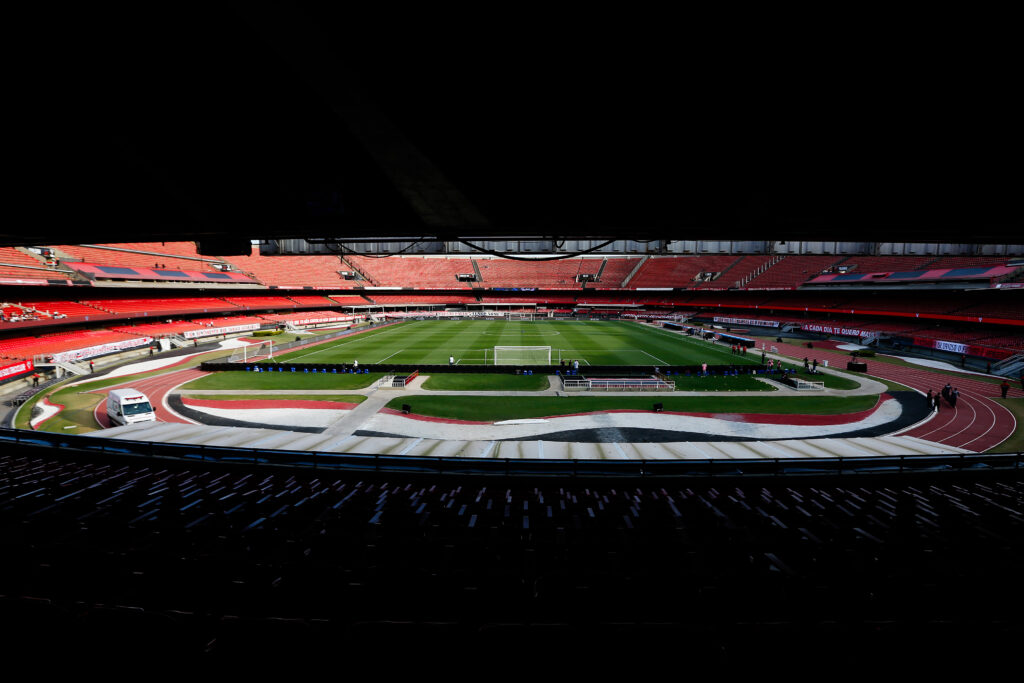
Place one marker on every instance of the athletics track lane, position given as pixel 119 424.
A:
pixel 156 388
pixel 978 423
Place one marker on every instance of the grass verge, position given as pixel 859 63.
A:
pixel 282 380
pixel 470 382
pixel 342 398
pixel 493 408
pixel 1016 441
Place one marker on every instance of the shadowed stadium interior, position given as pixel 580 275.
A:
pixel 549 347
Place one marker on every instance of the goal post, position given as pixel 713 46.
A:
pixel 253 352
pixel 519 316
pixel 522 355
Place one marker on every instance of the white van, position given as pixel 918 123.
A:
pixel 128 406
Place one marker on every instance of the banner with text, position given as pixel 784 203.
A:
pixel 13 369
pixel 745 321
pixel 210 331
pixel 829 329
pixel 101 349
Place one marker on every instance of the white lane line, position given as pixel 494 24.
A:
pixel 394 354
pixel 970 424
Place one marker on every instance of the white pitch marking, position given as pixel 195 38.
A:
pixel 394 354
pixel 663 362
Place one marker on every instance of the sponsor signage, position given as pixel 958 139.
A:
pixel 968 349
pixel 745 321
pixel 210 331
pixel 101 349
pixel 13 369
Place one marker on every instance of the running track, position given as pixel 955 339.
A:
pixel 156 388
pixel 977 423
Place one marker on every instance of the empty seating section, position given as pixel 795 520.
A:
pixel 158 304
pixel 539 297
pixel 55 342
pixel 968 262
pixel 157 329
pixel 793 271
pixel 1000 309
pixel 47 309
pixel 261 301
pixel 16 264
pixel 421 299
pixel 292 271
pixel 679 271
pixel 312 559
pixel 556 274
pixel 883 264
pixel 310 300
pixel 414 271
pixel 229 320
pixel 743 267
pixel 164 255
pixel 616 270
pixel 302 315
pixel 353 300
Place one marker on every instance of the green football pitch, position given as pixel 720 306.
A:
pixel 472 342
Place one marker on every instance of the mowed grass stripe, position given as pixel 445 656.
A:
pixel 493 408
pixel 593 343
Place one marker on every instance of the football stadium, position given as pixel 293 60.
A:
pixel 353 371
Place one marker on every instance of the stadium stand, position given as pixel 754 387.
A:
pixel 175 255
pixel 739 272
pixel 881 264
pixel 436 300
pixel 353 300
pixel 158 304
pixel 425 272
pixel 210 560
pixel 261 301
pixel 555 274
pixel 679 271
pixel 16 264
pixel 793 271
pixel 307 300
pixel 292 271
pixel 49 309
pixel 616 270
pixel 56 342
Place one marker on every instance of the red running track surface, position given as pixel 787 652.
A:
pixel 978 423
pixel 155 388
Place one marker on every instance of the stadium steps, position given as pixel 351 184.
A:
pixel 352 266
pixel 636 269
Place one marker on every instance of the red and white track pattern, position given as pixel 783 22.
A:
pixel 978 423
pixel 156 388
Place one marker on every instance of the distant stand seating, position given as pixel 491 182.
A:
pixel 293 271
pixel 793 271
pixel 415 271
pixel 559 274
pixel 165 255
pixel 17 265
pixel 157 304
pixel 56 342
pixel 679 271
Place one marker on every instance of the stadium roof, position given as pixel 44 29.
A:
pixel 254 123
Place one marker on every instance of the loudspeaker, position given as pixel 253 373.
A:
pixel 658 407
pixel 406 408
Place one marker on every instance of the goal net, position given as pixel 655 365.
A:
pixel 253 352
pixel 519 316
pixel 522 355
